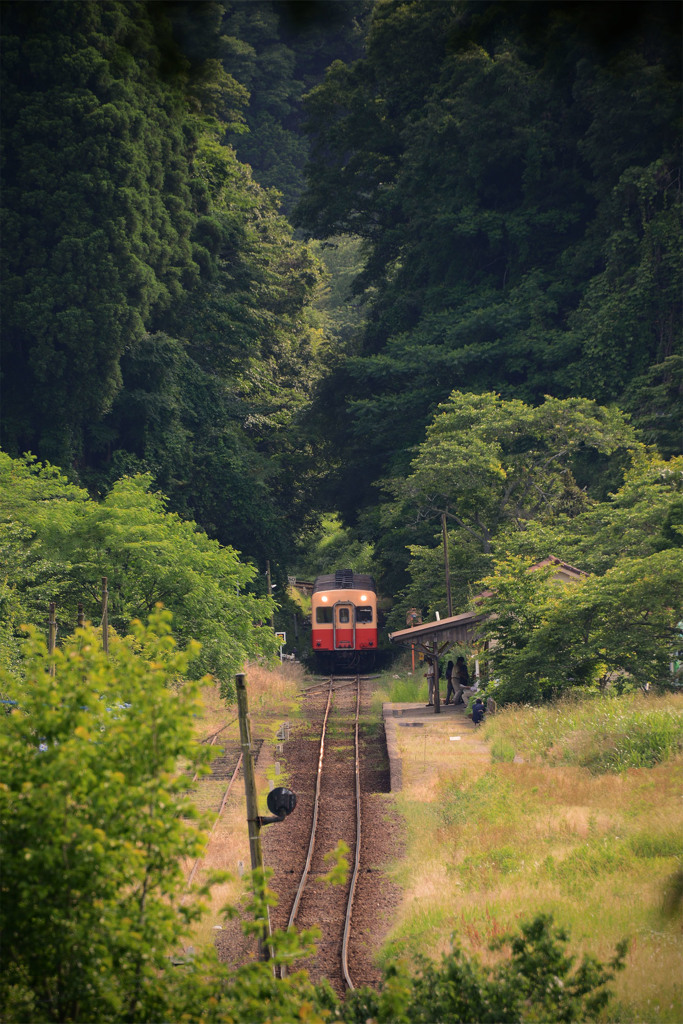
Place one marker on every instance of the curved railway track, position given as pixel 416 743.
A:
pixel 335 813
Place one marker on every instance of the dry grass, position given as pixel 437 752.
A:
pixel 272 697
pixel 491 844
pixel 273 688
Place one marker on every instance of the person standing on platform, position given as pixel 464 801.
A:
pixel 462 679
pixel 449 679
pixel 430 682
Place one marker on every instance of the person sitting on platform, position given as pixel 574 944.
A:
pixel 462 680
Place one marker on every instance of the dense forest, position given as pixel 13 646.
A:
pixel 279 260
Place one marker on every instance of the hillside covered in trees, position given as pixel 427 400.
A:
pixel 289 286
pixel 268 255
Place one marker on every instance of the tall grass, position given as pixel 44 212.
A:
pixel 562 828
pixel 603 734
pixel 401 688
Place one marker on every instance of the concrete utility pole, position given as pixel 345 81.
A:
pixel 270 591
pixel 444 533
pixel 253 819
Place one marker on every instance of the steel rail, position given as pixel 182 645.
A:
pixel 317 687
pixel 356 866
pixel 211 739
pixel 199 860
pixel 213 736
pixel 314 823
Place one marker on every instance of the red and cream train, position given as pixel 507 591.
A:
pixel 344 618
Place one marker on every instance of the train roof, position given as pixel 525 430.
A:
pixel 344 579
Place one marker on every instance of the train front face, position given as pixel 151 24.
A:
pixel 344 617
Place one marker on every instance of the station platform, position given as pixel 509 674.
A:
pixel 418 716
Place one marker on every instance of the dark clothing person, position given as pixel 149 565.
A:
pixel 461 672
pixel 449 679
pixel 477 711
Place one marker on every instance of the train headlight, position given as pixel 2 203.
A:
pixel 323 599
pixel 363 597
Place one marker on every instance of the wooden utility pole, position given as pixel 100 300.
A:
pixel 444 532
pixel 253 820
pixel 52 634
pixel 81 617
pixel 105 616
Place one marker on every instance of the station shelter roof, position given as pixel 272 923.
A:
pixel 439 635
pixel 433 638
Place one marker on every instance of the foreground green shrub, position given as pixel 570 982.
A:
pixel 94 824
pixel 537 982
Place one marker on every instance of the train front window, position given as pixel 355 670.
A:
pixel 344 615
pixel 323 615
pixel 364 613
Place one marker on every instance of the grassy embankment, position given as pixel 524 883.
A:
pixel 272 695
pixel 574 809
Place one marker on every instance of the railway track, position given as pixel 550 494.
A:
pixel 333 812
pixel 224 767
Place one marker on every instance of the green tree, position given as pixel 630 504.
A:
pixel 210 401
pixel 95 822
pixel 333 547
pixel 622 627
pixel 492 466
pixel 60 544
pixel 154 295
pixel 618 624
pixel 279 51
pixel 96 193
pixel 643 516
pixel 520 211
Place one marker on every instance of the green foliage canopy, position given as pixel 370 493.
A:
pixel 59 544
pixel 493 467
pixel 96 192
pixel 154 296
pixel 623 627
pixel 95 822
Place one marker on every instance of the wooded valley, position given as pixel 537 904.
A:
pixel 320 273
pixel 292 286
